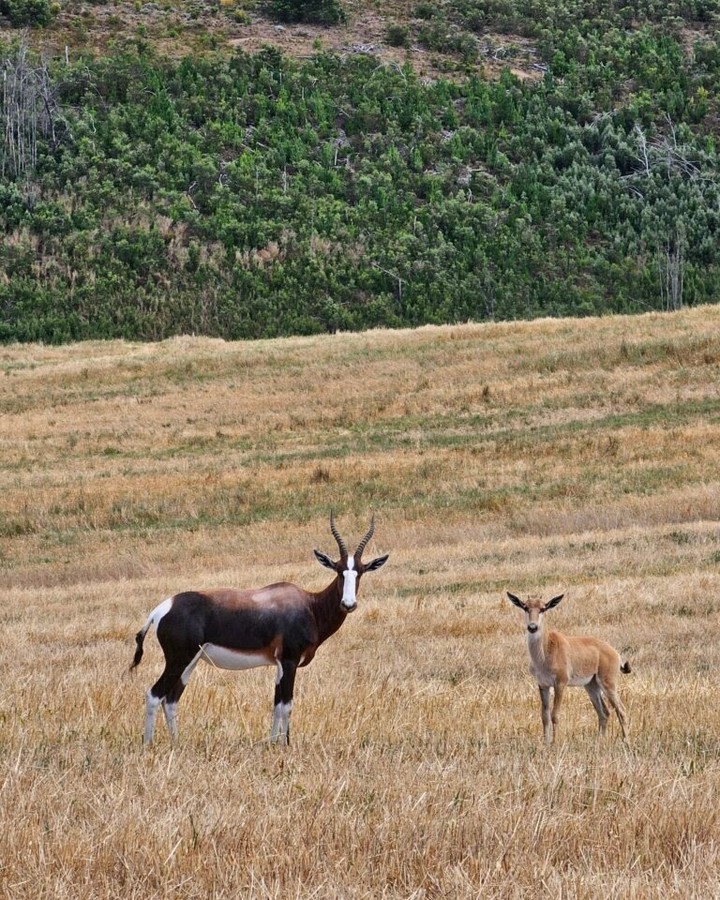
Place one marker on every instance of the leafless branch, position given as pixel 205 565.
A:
pixel 28 110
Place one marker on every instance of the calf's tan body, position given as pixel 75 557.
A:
pixel 559 661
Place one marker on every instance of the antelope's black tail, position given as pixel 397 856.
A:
pixel 152 619
pixel 139 640
pixel 625 667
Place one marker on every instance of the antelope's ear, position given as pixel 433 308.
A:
pixel 324 560
pixel 517 601
pixel 376 563
pixel 553 602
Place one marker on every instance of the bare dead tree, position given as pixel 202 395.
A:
pixel 663 151
pixel 643 156
pixel 666 155
pixel 28 111
pixel 671 269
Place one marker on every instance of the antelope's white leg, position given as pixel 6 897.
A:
pixel 151 707
pixel 170 706
pixel 281 722
pixel 277 722
pixel 283 702
pixel 170 710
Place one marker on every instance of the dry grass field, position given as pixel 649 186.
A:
pixel 577 456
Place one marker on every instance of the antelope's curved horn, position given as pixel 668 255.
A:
pixel 336 535
pixel 364 542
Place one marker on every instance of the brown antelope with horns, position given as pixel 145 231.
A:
pixel 558 661
pixel 279 625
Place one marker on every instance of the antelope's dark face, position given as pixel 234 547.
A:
pixel 534 607
pixel 350 569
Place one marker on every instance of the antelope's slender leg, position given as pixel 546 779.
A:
pixel 283 701
pixel 172 698
pixel 162 693
pixel 616 703
pixel 151 708
pixel 170 704
pixel 557 700
pixel 547 726
pixel 596 697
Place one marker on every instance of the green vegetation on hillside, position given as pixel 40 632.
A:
pixel 254 195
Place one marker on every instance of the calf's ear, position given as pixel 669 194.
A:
pixel 516 600
pixel 553 602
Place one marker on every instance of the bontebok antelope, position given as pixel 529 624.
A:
pixel 279 625
pixel 559 661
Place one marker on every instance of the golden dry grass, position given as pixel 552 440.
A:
pixel 576 456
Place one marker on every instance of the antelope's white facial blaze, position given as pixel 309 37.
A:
pixel 349 599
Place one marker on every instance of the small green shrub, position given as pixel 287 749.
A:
pixel 397 35
pixel 425 10
pixel 311 12
pixel 27 12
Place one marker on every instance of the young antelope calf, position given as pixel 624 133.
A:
pixel 559 661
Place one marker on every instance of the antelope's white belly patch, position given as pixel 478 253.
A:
pixel 578 681
pixel 224 658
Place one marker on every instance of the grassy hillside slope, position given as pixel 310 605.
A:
pixel 171 169
pixel 178 28
pixel 560 455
